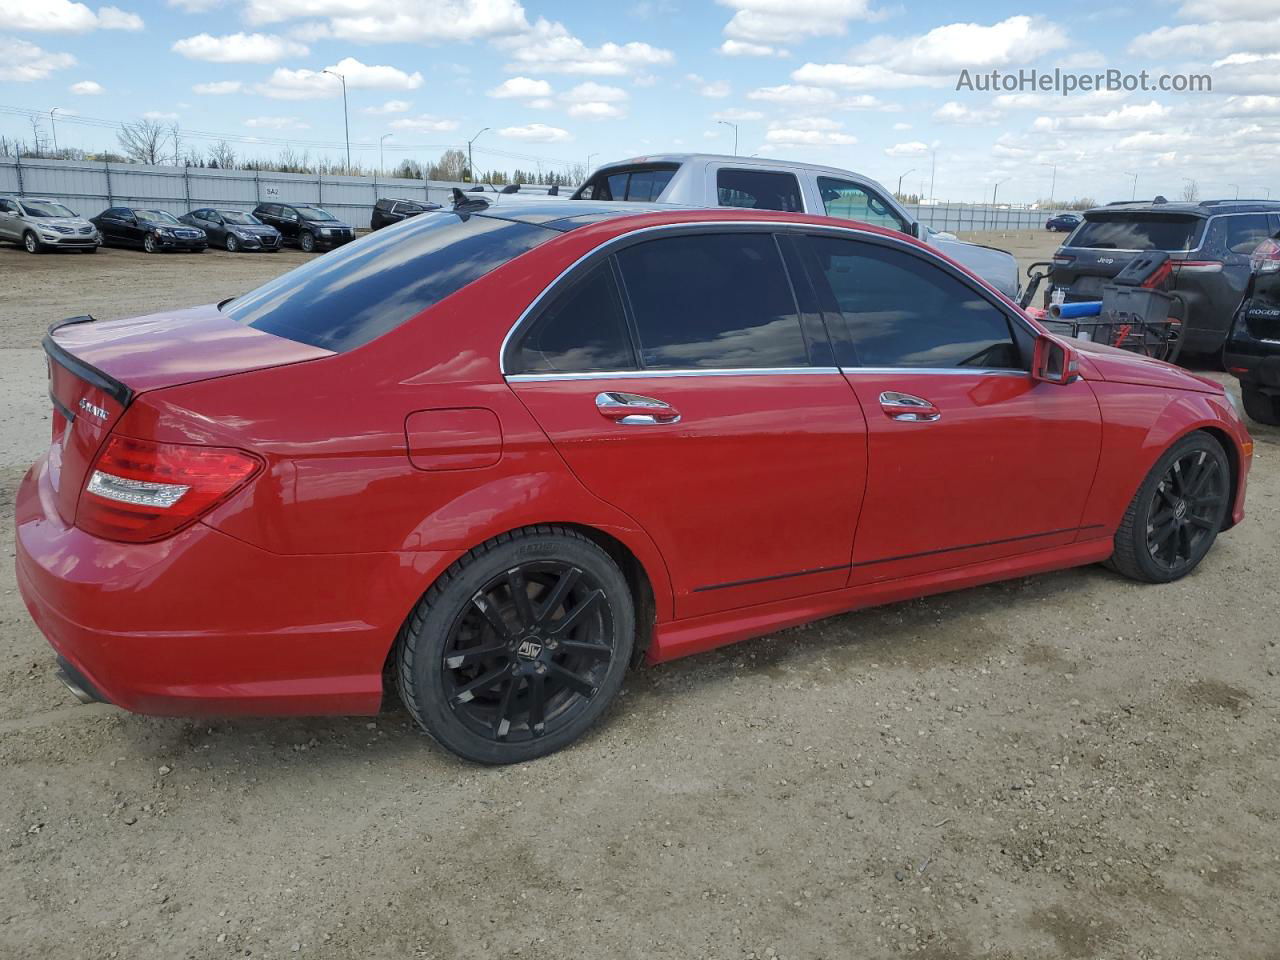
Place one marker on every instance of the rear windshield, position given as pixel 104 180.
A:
pixel 642 183
pixel 1138 231
pixel 361 290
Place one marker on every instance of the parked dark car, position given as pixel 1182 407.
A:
pixel 389 210
pixel 1064 222
pixel 311 228
pixel 1252 353
pixel 1209 245
pixel 234 229
pixel 152 230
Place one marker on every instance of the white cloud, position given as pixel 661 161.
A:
pixel 550 48
pixel 596 110
pixel 86 88
pixel 715 89
pixel 194 6
pixel 973 46
pixel 1130 117
pixel 792 93
pixel 864 76
pixel 763 21
pixel 536 133
pixel 63 16
pixel 160 115
pixel 238 48
pixel 426 123
pixel 218 88
pixel 734 115
pixel 24 62
pixel 521 87
pixel 592 91
pixel 286 84
pixel 391 106
pixel 276 123
pixel 1217 37
pixel 798 137
pixel 953 112
pixel 1228 9
pixel 902 126
pixel 912 148
pixel 541 103
pixel 741 48
pixel 397 21
pixel 1249 106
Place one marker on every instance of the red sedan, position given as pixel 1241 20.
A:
pixel 497 456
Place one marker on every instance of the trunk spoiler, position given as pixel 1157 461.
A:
pixel 118 391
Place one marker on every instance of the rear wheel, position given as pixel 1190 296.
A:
pixel 519 647
pixel 1262 407
pixel 31 243
pixel 307 241
pixel 1176 514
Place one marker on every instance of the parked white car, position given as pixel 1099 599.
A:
pixel 707 180
pixel 39 224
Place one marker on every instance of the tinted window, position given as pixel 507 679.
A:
pixel 759 190
pixel 583 330
pixel 1130 231
pixel 842 198
pixel 46 208
pixel 1244 233
pixel 900 310
pixel 7 206
pixel 406 207
pixel 638 184
pixel 364 289
pixel 718 300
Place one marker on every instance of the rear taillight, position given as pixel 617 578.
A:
pixel 1266 257
pixel 140 490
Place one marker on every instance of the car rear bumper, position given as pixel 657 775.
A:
pixel 205 624
pixel 1255 367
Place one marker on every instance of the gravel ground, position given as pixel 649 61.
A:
pixel 1069 765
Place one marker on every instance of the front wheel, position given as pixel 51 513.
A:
pixel 519 647
pixel 1176 514
pixel 307 241
pixel 31 243
pixel 1262 407
pixel 150 244
pixel 232 243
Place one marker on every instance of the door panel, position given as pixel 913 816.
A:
pixel 1005 468
pixel 752 495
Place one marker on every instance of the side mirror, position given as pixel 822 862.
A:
pixel 1054 362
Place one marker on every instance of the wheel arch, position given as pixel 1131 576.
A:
pixel 1233 463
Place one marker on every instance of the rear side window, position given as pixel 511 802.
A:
pixel 641 184
pixel 583 331
pixel 712 300
pixel 362 290
pixel 900 310
pixel 758 190
pixel 1240 234
pixel 1138 232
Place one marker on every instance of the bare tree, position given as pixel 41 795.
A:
pixel 143 142
pixel 409 170
pixel 175 140
pixel 222 155
pixel 1191 191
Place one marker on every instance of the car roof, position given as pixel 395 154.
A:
pixel 683 158
pixel 1202 208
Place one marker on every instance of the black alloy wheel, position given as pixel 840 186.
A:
pixel 519 647
pixel 1176 514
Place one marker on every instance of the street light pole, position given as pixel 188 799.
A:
pixel 735 134
pixel 900 176
pixel 1236 185
pixel 471 167
pixel 1134 195
pixel 1053 183
pixel 933 163
pixel 53 125
pixel 346 126
pixel 382 164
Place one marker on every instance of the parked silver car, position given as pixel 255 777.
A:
pixel 39 224
pixel 707 180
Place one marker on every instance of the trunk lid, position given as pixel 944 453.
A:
pixel 96 370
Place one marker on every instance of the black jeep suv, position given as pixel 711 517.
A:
pixel 311 228
pixel 1209 245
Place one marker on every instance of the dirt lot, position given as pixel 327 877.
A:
pixel 1069 765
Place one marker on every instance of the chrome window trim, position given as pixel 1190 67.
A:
pixel 938 371
pixel 651 374
pixel 924 252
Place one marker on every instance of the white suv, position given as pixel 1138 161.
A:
pixel 38 225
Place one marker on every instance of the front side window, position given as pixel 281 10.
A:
pixel 360 291
pixel 852 201
pixel 758 190
pixel 583 331
pixel 900 310
pixel 7 206
pixel 712 300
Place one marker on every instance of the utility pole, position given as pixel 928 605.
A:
pixel 53 124
pixel 1134 195
pixel 589 156
pixel 933 163
pixel 382 164
pixel 900 176
pixel 1052 183
pixel 1236 185
pixel 471 167
pixel 994 190
pixel 735 134
pixel 346 126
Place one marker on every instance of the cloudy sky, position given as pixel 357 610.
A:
pixel 868 85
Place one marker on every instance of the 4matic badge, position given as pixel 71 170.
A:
pixel 93 409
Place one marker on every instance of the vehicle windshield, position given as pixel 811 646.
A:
pixel 45 208
pixel 360 291
pixel 314 213
pixel 1138 231
pixel 235 216
pixel 155 216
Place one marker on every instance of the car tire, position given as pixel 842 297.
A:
pixel 31 243
pixel 1177 512
pixel 1262 407
pixel 233 245
pixel 307 241
pixel 150 244
pixel 489 674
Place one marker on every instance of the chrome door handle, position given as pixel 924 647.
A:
pixel 908 408
pixel 631 409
